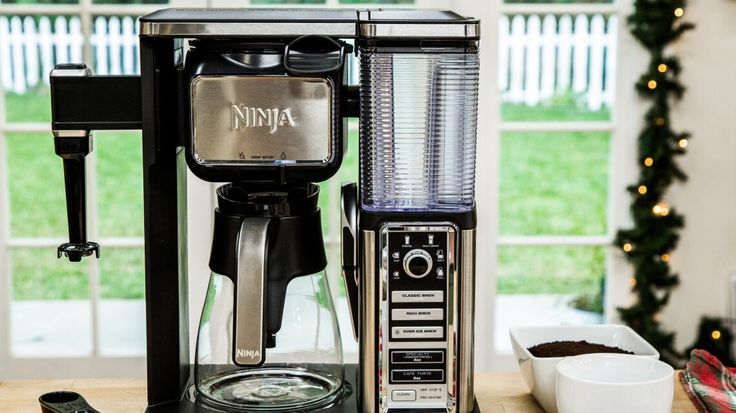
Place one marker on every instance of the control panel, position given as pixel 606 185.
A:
pixel 416 356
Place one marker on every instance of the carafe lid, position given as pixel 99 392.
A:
pixel 267 200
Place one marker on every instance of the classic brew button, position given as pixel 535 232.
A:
pixel 417 314
pixel 416 332
pixel 403 395
pixel 428 296
pixel 412 357
pixel 409 376
pixel 417 263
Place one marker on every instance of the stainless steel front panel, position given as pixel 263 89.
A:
pixel 368 314
pixel 438 391
pixel 262 120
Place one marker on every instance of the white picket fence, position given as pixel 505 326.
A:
pixel 539 56
pixel 542 56
pixel 30 47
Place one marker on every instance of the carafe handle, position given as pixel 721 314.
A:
pixel 249 322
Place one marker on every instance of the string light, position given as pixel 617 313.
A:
pixel 682 143
pixel 661 209
pixel 679 12
pixel 658 317
pixel 652 84
pixel 659 121
pixel 665 257
pixel 662 68
pixel 715 334
pixel 648 162
pixel 642 189
pixel 632 281
pixel 627 247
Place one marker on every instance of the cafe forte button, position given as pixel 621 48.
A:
pixel 411 376
pixel 416 314
pixel 406 357
pixel 429 296
pixel 416 332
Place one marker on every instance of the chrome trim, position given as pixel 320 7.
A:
pixel 368 313
pixel 62 133
pixel 238 29
pixel 56 72
pixel 466 400
pixel 470 30
pixel 248 347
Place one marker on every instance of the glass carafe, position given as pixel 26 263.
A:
pixel 300 367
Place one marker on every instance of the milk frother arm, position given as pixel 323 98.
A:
pixel 81 103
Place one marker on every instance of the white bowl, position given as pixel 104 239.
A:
pixel 614 383
pixel 540 373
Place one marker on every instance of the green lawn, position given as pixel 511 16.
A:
pixel 551 184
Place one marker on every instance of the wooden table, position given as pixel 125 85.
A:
pixel 496 392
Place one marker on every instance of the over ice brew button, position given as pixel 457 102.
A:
pixel 416 332
pixel 403 395
pixel 431 296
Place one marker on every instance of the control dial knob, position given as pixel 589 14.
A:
pixel 417 263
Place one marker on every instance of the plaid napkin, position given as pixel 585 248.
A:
pixel 710 385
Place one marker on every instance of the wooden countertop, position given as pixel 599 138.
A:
pixel 496 392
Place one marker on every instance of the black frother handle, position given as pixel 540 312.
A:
pixel 73 150
pixel 65 402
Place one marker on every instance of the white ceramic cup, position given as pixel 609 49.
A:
pixel 614 383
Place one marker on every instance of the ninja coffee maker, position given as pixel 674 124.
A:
pixel 258 98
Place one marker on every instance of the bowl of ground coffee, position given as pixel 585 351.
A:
pixel 539 349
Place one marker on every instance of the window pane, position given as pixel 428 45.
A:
pixel 287 1
pixel 50 311
pixel 36 186
pixel 119 183
pixel 556 67
pixel 548 285
pixel 115 43
pixel 557 1
pixel 377 1
pixel 554 183
pixel 121 320
pixel 35 45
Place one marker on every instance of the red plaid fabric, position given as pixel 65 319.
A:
pixel 710 385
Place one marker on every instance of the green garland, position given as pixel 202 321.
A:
pixel 654 235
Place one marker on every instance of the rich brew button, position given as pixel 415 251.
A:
pixel 405 357
pixel 429 296
pixel 403 395
pixel 413 376
pixel 416 314
pixel 416 332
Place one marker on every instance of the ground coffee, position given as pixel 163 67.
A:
pixel 572 348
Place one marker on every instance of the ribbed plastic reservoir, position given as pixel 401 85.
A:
pixel 419 114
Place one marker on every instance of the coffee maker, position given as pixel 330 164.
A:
pixel 258 98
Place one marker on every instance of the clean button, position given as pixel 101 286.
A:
pixel 403 395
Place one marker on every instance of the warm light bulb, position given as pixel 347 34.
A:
pixel 715 335
pixel 648 162
pixel 682 143
pixel 652 84
pixel 659 121
pixel 628 247
pixel 661 209
pixel 632 281
pixel 665 257
pixel 662 68
pixel 679 12
pixel 642 189
pixel 658 317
